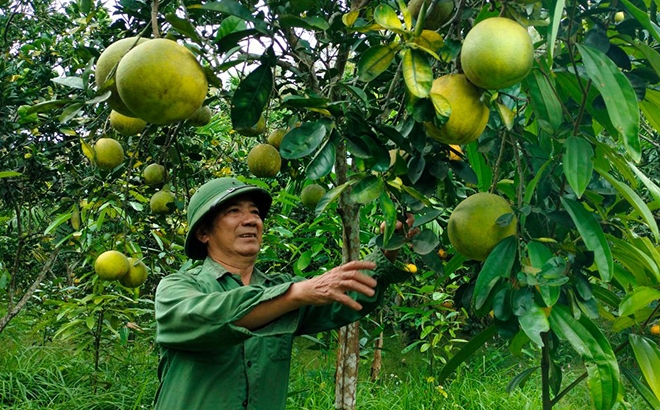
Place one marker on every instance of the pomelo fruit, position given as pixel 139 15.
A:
pixel 473 229
pixel 160 202
pixel 469 115
pixel 111 265
pixel 275 137
pixel 161 82
pixel 439 15
pixel 497 53
pixel 311 195
pixel 264 161
pixel 126 125
pixel 108 59
pixel 136 275
pixel 201 116
pixel 108 153
pixel 154 174
pixel 254 131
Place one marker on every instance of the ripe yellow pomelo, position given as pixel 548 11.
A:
pixel 126 125
pixel 160 202
pixel 254 131
pixel 469 115
pixel 453 156
pixel 264 161
pixel 161 82
pixel 497 53
pixel 655 329
pixel 275 137
pixel 311 195
pixel 106 62
pixel 154 174
pixel 201 116
pixel 439 15
pixel 108 153
pixel 619 16
pixel 410 268
pixel 136 275
pixel 111 265
pixel 473 228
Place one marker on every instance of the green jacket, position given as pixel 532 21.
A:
pixel 209 363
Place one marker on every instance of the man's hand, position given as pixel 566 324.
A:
pixel 332 286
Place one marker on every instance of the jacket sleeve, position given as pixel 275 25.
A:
pixel 189 318
pixel 314 319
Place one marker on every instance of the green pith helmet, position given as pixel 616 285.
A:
pixel 214 193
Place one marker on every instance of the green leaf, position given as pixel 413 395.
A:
pixel 73 82
pixel 594 348
pixel 643 19
pixel 323 161
pixel 251 97
pixel 70 112
pixel 538 254
pixel 544 99
pixel 425 242
pixel 417 73
pixel 578 163
pixel 634 200
pixel 47 106
pixel 497 265
pixel 234 8
pixel 533 323
pixel 9 174
pixel 557 16
pixel 183 26
pixel 645 392
pixel 520 379
pixel 638 299
pixel 648 358
pixel 374 61
pixel 57 222
pixel 468 350
pixel 619 96
pixel 297 101
pixel 478 163
pixel 302 141
pixel 368 189
pixel 593 236
pixel 386 17
pixel 654 190
pixel 309 23
pixel 303 261
pixel 331 196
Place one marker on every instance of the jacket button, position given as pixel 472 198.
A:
pixel 245 403
pixel 249 364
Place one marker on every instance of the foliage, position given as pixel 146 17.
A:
pixel 573 147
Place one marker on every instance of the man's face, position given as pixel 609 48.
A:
pixel 237 231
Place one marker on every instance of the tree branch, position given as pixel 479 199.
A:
pixel 28 294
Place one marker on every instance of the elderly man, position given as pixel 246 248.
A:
pixel 225 328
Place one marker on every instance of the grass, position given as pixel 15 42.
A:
pixel 53 375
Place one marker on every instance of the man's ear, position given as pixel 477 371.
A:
pixel 201 235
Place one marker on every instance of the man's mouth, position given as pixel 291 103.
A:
pixel 248 235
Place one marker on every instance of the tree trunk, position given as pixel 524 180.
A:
pixel 348 351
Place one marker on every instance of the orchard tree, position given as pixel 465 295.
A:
pixel 552 106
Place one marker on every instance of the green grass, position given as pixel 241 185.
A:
pixel 53 375
pixel 409 382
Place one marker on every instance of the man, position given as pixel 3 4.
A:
pixel 226 329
